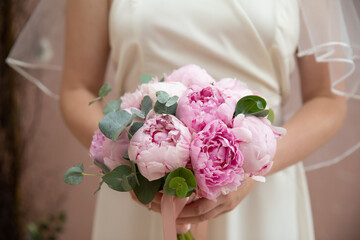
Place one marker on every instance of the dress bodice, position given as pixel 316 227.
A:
pixel 253 41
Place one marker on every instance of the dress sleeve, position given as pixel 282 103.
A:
pixel 330 30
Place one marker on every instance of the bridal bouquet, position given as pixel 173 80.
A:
pixel 185 135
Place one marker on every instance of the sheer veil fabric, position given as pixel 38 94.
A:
pixel 330 30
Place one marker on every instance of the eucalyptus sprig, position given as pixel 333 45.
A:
pixel 165 104
pixel 181 183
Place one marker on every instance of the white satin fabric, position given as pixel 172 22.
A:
pixel 255 42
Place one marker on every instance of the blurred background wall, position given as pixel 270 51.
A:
pixel 47 149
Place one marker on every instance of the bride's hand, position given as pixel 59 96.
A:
pixel 204 209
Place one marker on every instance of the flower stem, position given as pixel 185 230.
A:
pixel 107 103
pixel 185 236
pixel 92 175
pixel 128 132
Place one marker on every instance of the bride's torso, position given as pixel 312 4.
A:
pixel 253 41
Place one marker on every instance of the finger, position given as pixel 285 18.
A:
pixel 201 218
pixel 157 198
pixel 155 207
pixel 133 196
pixel 198 207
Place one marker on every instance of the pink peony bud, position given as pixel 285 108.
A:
pixel 160 146
pixel 260 148
pixel 108 152
pixel 191 75
pixel 234 88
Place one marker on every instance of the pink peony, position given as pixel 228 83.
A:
pixel 172 88
pixel 160 146
pixel 131 100
pixel 190 75
pixel 234 88
pixel 199 106
pixel 108 152
pixel 260 148
pixel 216 160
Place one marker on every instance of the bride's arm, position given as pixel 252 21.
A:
pixel 321 115
pixel 86 55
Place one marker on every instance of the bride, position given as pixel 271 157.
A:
pixel 256 42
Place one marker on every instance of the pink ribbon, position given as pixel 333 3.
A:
pixel 171 207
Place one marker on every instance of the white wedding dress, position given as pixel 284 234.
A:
pixel 252 40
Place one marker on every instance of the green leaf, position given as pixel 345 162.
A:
pixel 180 186
pixel 262 113
pixel 172 109
pixel 181 178
pixel 99 187
pixel 114 123
pixel 126 156
pixel 74 175
pixel 162 79
pixel 138 113
pixel 162 96
pixel 176 181
pixel 271 115
pixel 146 105
pixel 136 126
pixel 171 101
pixel 121 179
pixel 250 105
pixel 146 191
pixel 104 90
pixel 95 100
pixel 160 108
pixel 112 106
pixel 103 168
pixel 182 190
pixel 62 217
pixel 146 78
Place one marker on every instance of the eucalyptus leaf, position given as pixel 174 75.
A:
pixel 271 115
pixel 134 127
pixel 102 167
pixel 182 177
pixel 171 101
pixel 145 78
pixel 176 181
pixel 121 179
pixel 180 186
pixel 74 175
pixel 182 190
pixel 172 109
pixel 146 105
pixel 114 123
pixel 126 157
pixel 250 105
pixel 162 96
pixel 146 191
pixel 160 108
pixel 99 187
pixel 138 113
pixel 95 100
pixel 104 90
pixel 112 106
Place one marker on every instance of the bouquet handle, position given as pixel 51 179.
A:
pixel 171 207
